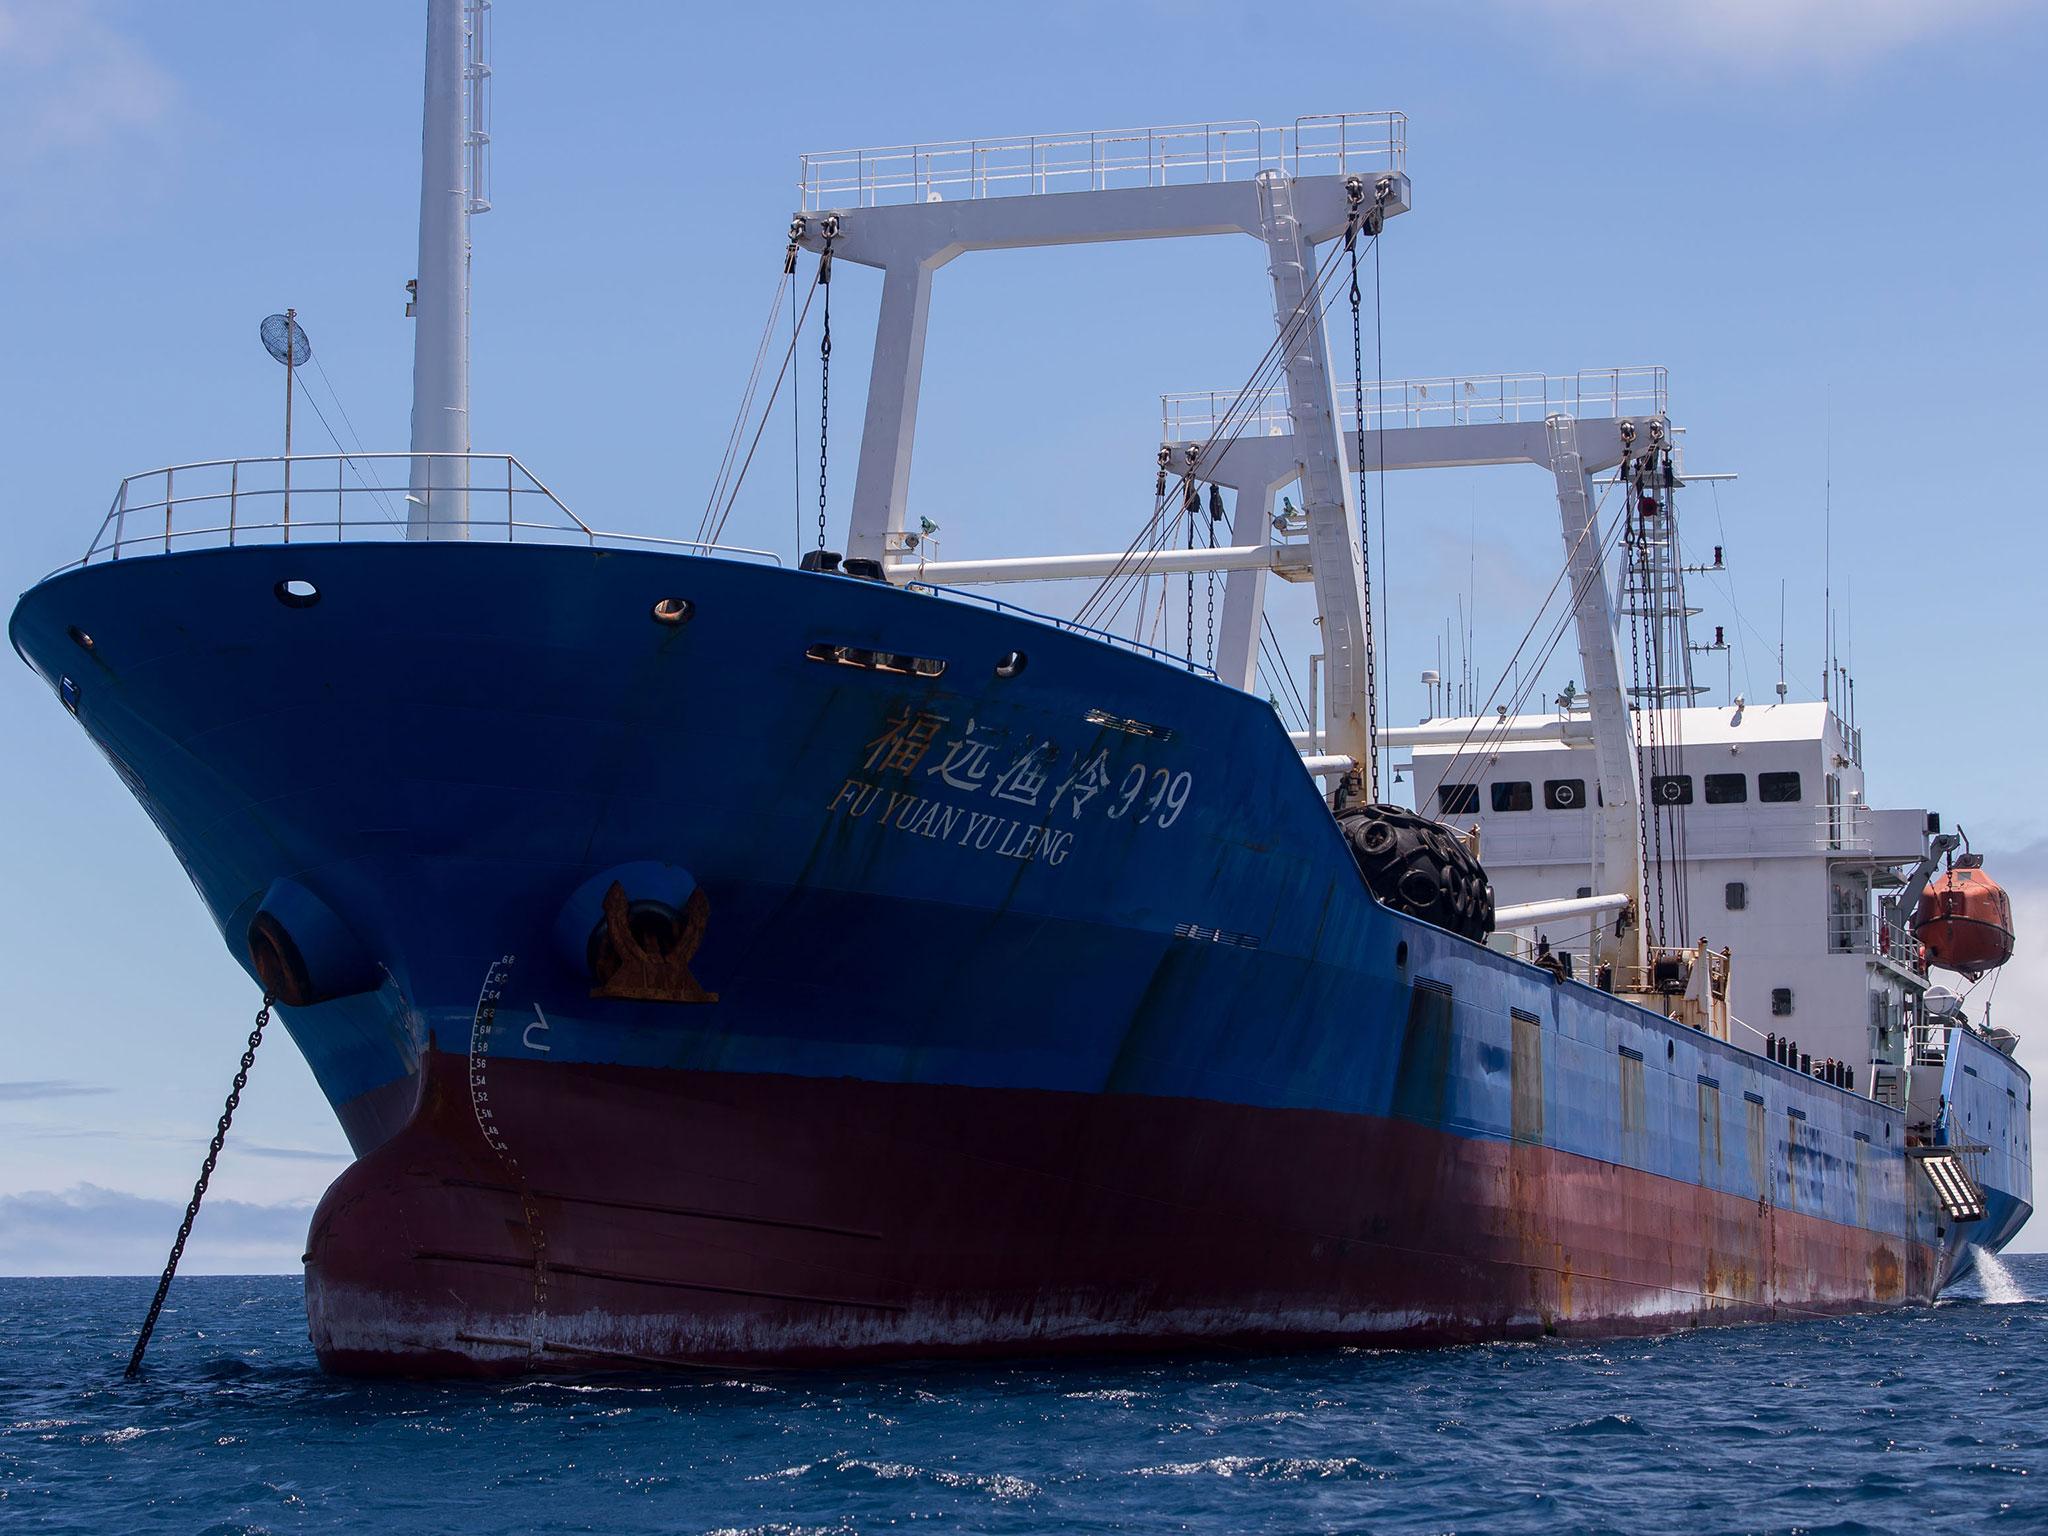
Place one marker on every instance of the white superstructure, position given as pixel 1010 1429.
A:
pixel 1762 840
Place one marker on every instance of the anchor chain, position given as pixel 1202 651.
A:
pixel 220 1136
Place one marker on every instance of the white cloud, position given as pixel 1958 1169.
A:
pixel 86 114
pixel 1768 34
pixel 89 1230
pixel 21 1091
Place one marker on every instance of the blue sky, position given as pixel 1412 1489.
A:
pixel 1821 215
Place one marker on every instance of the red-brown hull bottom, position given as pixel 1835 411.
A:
pixel 672 1218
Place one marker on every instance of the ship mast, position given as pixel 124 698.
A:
pixel 1656 586
pixel 452 146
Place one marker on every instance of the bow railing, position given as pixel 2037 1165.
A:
pixel 345 497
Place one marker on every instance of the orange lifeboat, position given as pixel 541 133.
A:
pixel 1965 919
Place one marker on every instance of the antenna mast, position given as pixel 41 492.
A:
pixel 1655 591
pixel 291 368
pixel 454 147
pixel 285 339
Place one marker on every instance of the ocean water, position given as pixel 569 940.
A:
pixel 1934 1419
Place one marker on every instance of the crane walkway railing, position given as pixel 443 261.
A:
pixel 344 497
pixel 1099 160
pixel 1456 400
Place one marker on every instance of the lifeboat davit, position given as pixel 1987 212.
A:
pixel 1965 920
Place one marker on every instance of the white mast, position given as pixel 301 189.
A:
pixel 438 501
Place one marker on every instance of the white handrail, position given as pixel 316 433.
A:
pixel 1095 160
pixel 331 495
pixel 1592 394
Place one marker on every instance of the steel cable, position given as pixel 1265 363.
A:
pixel 1227 430
pixel 739 420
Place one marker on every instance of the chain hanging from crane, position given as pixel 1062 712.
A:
pixel 1215 517
pixel 1191 507
pixel 220 1136
pixel 796 431
pixel 1371 220
pixel 831 228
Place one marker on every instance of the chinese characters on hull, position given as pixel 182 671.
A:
pixel 912 777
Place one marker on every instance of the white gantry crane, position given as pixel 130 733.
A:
pixel 912 209
pixel 909 210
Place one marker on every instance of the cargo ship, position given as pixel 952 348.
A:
pixel 715 961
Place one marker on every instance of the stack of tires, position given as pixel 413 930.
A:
pixel 1418 866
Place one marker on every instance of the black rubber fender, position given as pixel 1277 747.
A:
pixel 1418 866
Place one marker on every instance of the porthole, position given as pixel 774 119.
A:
pixel 1670 1050
pixel 1010 663
pixel 80 638
pixel 295 592
pixel 1401 954
pixel 674 610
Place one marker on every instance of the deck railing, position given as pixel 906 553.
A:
pixel 1853 933
pixel 344 497
pixel 1853 831
pixel 1071 626
pixel 366 497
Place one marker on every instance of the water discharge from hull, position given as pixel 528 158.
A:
pixel 2001 1288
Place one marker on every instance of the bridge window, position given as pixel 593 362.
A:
pixel 1564 794
pixel 1727 789
pixel 1778 788
pixel 1671 788
pixel 1513 796
pixel 1457 799
pixel 1738 896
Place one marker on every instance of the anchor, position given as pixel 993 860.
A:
pixel 643 949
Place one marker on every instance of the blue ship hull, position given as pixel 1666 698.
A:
pixel 1015 1012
